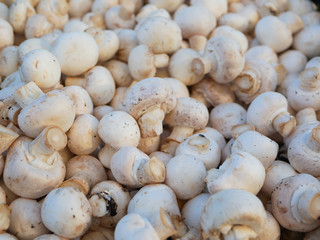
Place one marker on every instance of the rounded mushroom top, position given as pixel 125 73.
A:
pixel 195 20
pixel 150 92
pixel 161 34
pixel 76 52
pixel 262 52
pixel 188 112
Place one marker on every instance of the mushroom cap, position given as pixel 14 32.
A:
pixel 27 180
pixel 284 202
pixel 88 166
pixel 76 52
pixel 161 34
pixel 6 34
pixel 81 99
pixel 195 20
pixel 229 208
pixel 217 7
pixel 42 67
pixel 66 212
pixel 185 175
pixel 294 61
pixel 26 219
pixel 119 129
pixel 261 52
pixel 271 31
pixel 188 112
pixel 305 41
pixel 228 56
pixel 147 93
pixel 114 20
pixel 169 5
pixel 9 60
pixel 180 89
pixel 263 109
pixel 55 108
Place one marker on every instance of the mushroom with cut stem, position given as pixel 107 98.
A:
pixel 132 167
pixel 109 201
pixel 243 215
pixel 133 226
pixel 26 220
pixel 188 115
pixel 295 203
pixel 148 101
pixel 40 156
pixel 268 112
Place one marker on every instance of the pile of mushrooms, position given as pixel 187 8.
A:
pixel 159 120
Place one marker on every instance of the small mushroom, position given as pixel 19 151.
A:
pixel 243 215
pixel 9 60
pixel 120 72
pixel 268 112
pixel 295 202
pixel 261 52
pixel 294 61
pixel 6 34
pixel 77 8
pixel 217 7
pixel 5 212
pixel 81 99
pixel 213 134
pixel 305 42
pixel 121 16
pixel 19 12
pixel 37 25
pixel 127 41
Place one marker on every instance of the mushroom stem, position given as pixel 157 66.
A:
pixel 309 205
pixel 163 225
pixel 284 123
pixel 27 93
pixel 179 134
pixel 240 232
pixel 5 213
pixel 151 122
pixel 306 115
pixel 313 139
pixel 198 43
pixel 75 81
pixel 281 72
pixel 248 82
pixel 152 171
pixel 309 79
pixel 49 141
pixel 161 60
pixel 238 129
pixel 126 9
pixel 180 226
pixel 7 137
pixel 203 65
pixel 13 113
pixel 103 204
pixel 199 142
pixel 78 181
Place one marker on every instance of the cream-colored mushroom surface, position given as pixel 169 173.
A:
pixel 159 119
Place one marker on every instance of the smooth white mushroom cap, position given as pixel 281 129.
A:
pixel 237 171
pixel 4 11
pixel 271 31
pixel 169 5
pixel 161 34
pixel 66 212
pixel 231 211
pixel 76 52
pixel 262 52
pixel 9 60
pixel 81 99
pixel 75 25
pixel 6 34
pixel 42 67
pixel 31 44
pixel 119 129
pixel 258 145
pixel 305 41
pixel 294 61
pixel 133 226
pixel 7 236
pixel 217 7
pixel 185 175
pixel 26 219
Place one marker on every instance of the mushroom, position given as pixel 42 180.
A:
pixel 217 7
pixel 143 63
pixel 271 229
pixel 148 101
pixel 178 87
pixel 34 167
pixel 149 144
pixel 31 44
pixel 167 4
pixel 83 137
pixel 7 137
pixel 268 112
pixel 271 7
pixel 70 219
pixel 203 148
pixel 26 220
pixel 277 171
pixel 102 110
pixel 77 8
pixel 258 145
pixel 9 60
pixel 120 72
pixel 118 101
pixel 303 152
pixel 49 108
pixel 196 22
pixel 257 77
pixel 84 52
pixel 305 42
pixel 94 19
pixel 261 52
pixel 6 34
pixel 117 129
pixel 188 115
pixel 133 168
pixel 294 61
pixel 37 25
pixel 213 134
pixel 133 226
pixel 304 91
pixel 217 62
pixel 127 41
pixel 56 12
pixel 109 201
pixel 121 16
pixel 7 236
pixel 4 11
pixel 295 203
pixel 157 203
pixel 83 172
pixel 75 25
pixel 19 12
pixel 42 67
pixel 233 213
pixel 226 115
pixel 237 171
pixel 5 212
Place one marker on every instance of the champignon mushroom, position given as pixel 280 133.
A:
pixel 6 34
pixel 37 25
pixel 19 12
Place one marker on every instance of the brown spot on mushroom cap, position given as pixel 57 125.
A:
pixel 148 93
pixel 188 112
